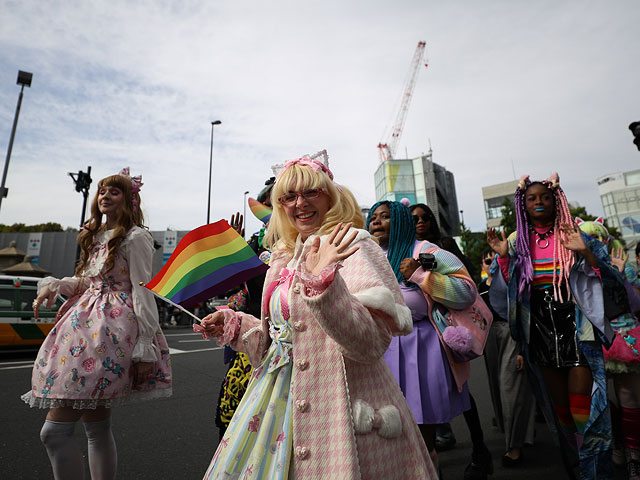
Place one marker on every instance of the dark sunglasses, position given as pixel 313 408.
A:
pixel 424 217
pixel 488 261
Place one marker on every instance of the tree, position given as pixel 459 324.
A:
pixel 22 228
pixel 508 222
pixel 473 244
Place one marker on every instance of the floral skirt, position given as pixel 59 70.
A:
pixel 85 361
pixel 258 442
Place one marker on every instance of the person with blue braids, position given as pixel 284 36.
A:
pixel 434 385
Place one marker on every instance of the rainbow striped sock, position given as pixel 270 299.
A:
pixel 565 419
pixel 580 406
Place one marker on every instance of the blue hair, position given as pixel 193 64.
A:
pixel 402 234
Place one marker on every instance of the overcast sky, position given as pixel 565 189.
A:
pixel 540 85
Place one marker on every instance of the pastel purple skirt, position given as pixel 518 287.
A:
pixel 420 367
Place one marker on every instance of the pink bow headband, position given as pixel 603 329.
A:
pixel 311 161
pixel 136 185
pixel 136 182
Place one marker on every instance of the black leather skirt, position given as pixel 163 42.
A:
pixel 553 337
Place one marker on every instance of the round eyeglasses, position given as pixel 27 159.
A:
pixel 291 198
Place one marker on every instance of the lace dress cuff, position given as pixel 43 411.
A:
pixel 51 281
pixel 144 351
pixel 315 285
pixel 231 329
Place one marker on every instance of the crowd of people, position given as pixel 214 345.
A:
pixel 350 357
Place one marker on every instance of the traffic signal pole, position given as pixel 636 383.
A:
pixel 82 181
pixel 635 130
pixel 85 194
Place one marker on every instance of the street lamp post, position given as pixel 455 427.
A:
pixel 244 215
pixel 24 80
pixel 217 122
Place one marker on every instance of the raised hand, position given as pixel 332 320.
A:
pixel 500 245
pixel 46 295
pixel 619 258
pixel 573 241
pixel 334 249
pixel 572 238
pixel 142 372
pixel 237 223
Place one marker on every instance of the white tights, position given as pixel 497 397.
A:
pixel 103 457
pixel 66 456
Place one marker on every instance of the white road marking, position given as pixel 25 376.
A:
pixel 191 341
pixel 181 334
pixel 30 362
pixel 172 351
pixel 175 351
pixel 17 366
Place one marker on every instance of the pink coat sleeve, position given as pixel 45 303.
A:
pixel 244 333
pixel 363 306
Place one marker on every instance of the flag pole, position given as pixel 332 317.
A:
pixel 180 307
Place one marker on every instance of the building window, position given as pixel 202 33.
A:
pixel 632 178
pixel 493 206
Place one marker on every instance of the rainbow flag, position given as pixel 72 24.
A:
pixel 260 210
pixel 208 261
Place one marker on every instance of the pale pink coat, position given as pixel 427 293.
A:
pixel 340 377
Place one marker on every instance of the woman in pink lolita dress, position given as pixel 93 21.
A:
pixel 107 348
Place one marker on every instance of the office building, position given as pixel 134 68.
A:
pixel 421 181
pixel 494 197
pixel 620 197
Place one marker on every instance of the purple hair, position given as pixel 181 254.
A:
pixel 562 257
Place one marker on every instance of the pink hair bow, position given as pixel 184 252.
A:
pixel 311 161
pixel 136 182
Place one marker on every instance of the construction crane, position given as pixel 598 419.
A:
pixel 387 150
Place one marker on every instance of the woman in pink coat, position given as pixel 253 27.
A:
pixel 321 402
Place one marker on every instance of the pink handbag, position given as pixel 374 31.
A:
pixel 463 331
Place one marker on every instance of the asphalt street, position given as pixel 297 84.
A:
pixel 175 438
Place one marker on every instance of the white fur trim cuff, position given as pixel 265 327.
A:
pixel 381 299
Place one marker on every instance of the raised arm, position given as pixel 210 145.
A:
pixel 358 304
pixel 448 283
pixel 138 251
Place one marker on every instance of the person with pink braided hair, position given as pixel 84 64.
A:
pixel 548 283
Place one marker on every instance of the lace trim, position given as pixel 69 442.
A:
pixel 101 240
pixel 134 397
pixel 315 285
pixel 617 367
pixel 231 330
pixel 43 282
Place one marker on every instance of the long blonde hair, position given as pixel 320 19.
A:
pixel 281 234
pixel 127 218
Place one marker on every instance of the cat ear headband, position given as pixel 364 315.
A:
pixel 552 182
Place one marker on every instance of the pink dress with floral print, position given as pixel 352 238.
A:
pixel 87 359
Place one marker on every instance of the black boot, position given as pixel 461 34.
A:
pixel 481 465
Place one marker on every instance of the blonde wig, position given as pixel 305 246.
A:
pixel 281 234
